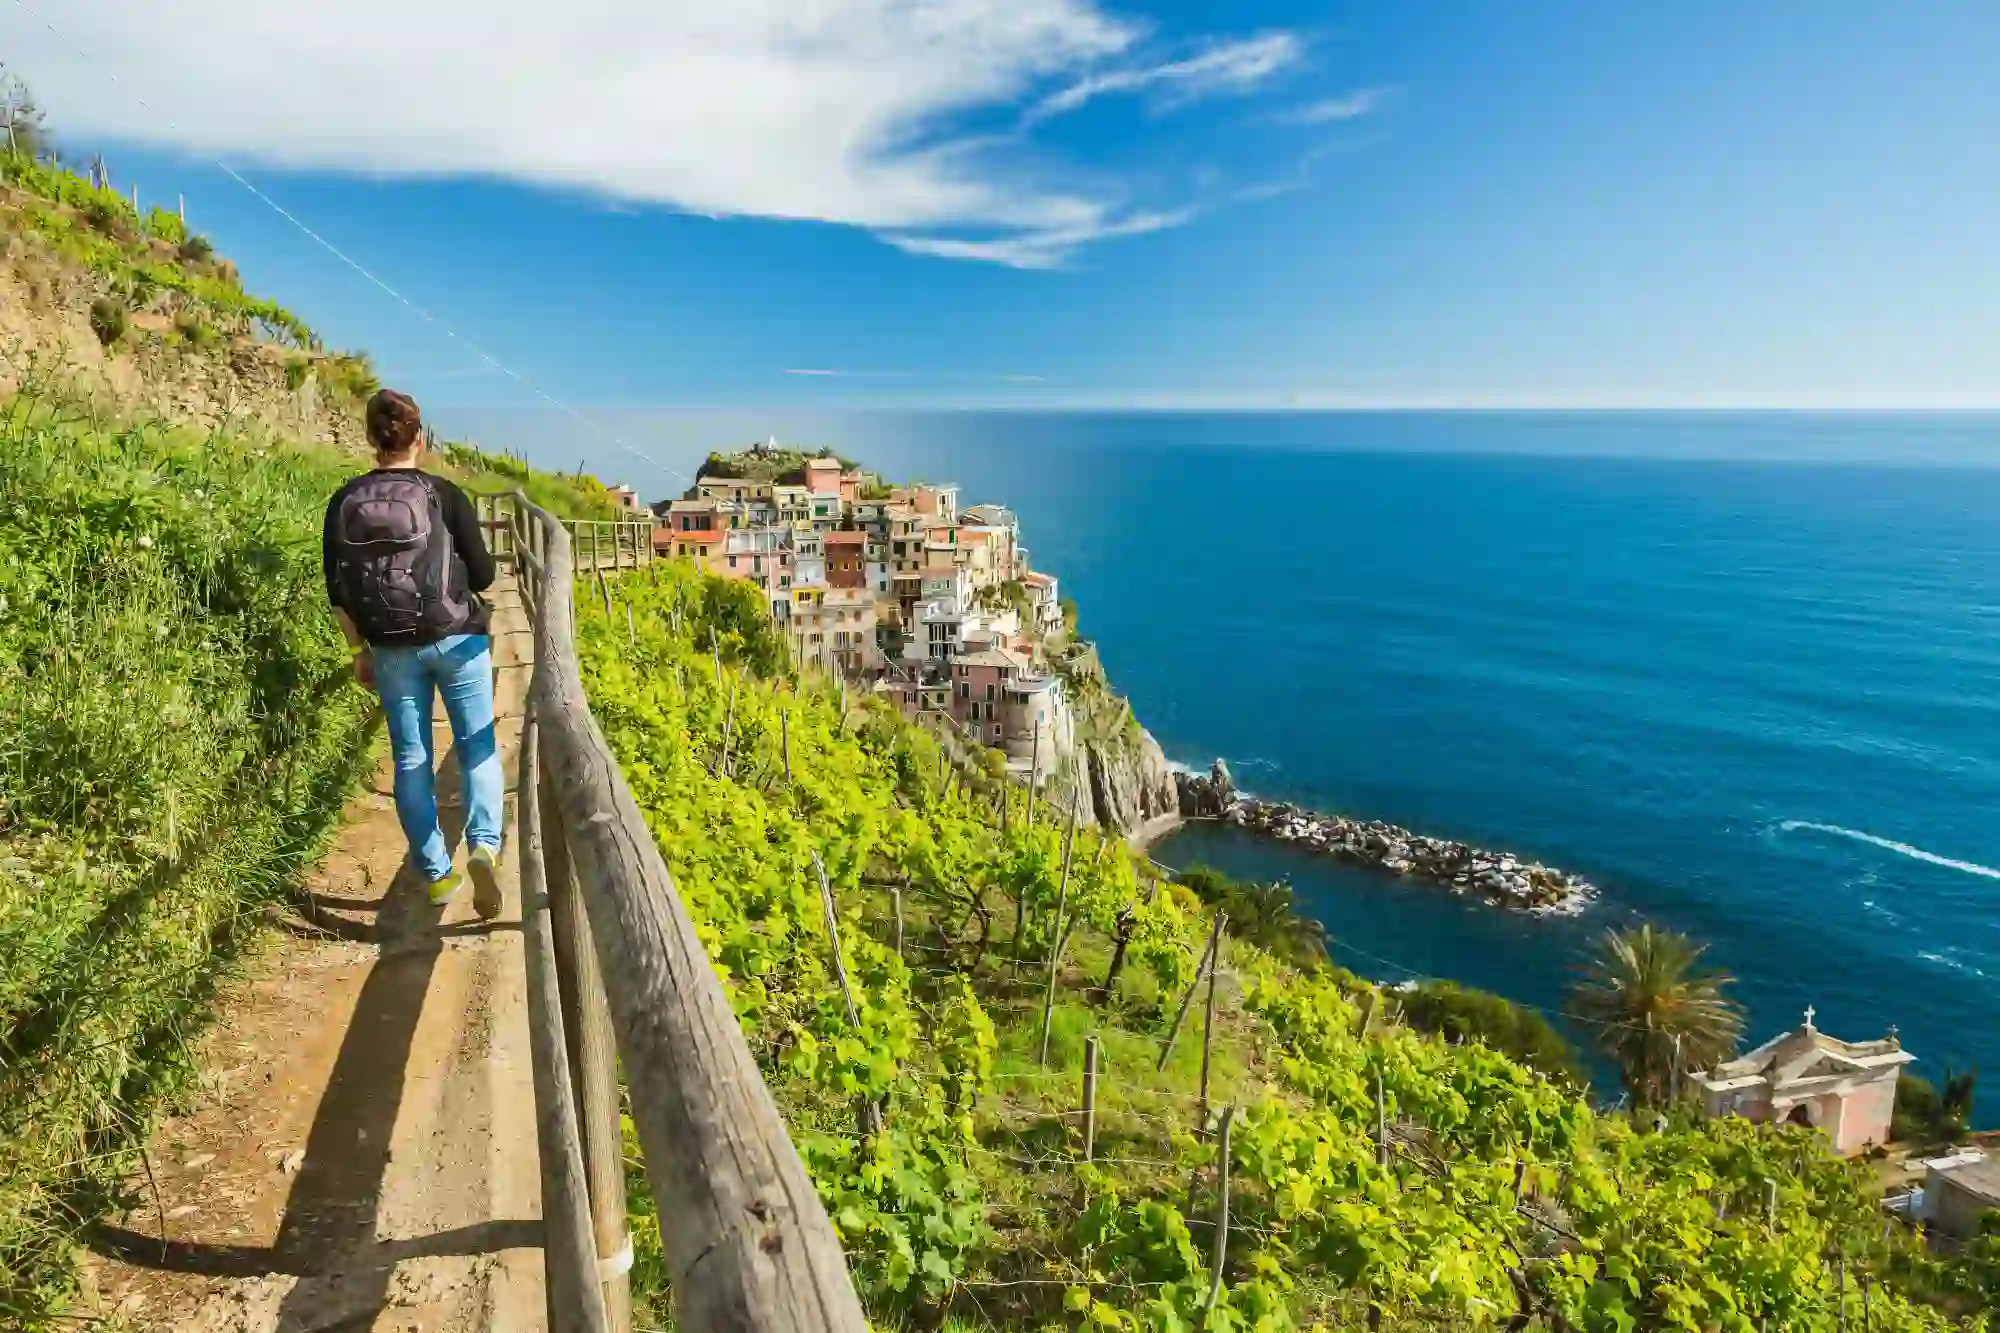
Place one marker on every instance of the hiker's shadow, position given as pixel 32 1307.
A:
pixel 329 1233
pixel 328 1237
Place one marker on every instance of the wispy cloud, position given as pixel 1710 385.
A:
pixel 1351 106
pixel 854 112
pixel 800 371
pixel 1228 67
pixel 1047 249
pixel 1301 174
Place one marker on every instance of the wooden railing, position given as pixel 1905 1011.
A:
pixel 617 975
pixel 594 543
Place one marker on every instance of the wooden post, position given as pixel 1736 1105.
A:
pixel 1090 1058
pixel 1867 1317
pixel 1056 933
pixel 1381 1125
pixel 1520 1179
pixel 1770 1202
pixel 1208 1023
pixel 715 650
pixel 896 894
pixel 1840 1293
pixel 593 1060
pixel 1035 772
pixel 1221 1254
pixel 870 1115
pixel 785 739
pixel 1187 996
pixel 575 1301
pixel 183 207
pixel 721 766
pixel 631 633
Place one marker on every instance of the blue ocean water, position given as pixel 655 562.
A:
pixel 1758 702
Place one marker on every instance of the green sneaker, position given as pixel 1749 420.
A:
pixel 485 882
pixel 443 888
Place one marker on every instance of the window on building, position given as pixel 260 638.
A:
pixel 989 694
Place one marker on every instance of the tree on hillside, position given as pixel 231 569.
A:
pixel 21 123
pixel 1654 1004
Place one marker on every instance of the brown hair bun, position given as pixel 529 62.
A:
pixel 393 422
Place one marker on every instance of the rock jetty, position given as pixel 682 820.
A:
pixel 1508 881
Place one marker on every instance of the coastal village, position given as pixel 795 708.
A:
pixel 901 590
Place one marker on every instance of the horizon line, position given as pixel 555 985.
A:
pixel 1967 406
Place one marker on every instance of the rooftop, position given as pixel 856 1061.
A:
pixel 844 537
pixel 1806 1053
pixel 995 657
pixel 1978 1176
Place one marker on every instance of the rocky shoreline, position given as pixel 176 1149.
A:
pixel 1501 879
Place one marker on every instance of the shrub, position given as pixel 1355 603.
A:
pixel 195 249
pixel 167 226
pixel 107 320
pixel 195 329
pixel 1512 1029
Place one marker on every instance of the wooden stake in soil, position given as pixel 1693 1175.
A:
pixel 1208 1023
pixel 896 894
pixel 1055 941
pixel 1089 1096
pixel 721 766
pixel 785 738
pixel 1221 1255
pixel 1381 1125
pixel 715 650
pixel 868 1113
pixel 1770 1202
pixel 1187 996
pixel 631 634
pixel 1840 1290
pixel 1035 773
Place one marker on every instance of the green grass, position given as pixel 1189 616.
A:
pixel 176 743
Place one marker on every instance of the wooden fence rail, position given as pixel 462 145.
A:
pixel 748 1244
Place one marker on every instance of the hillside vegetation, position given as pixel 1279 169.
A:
pixel 1378 1176
pixel 177 730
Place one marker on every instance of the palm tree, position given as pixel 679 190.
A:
pixel 1656 1009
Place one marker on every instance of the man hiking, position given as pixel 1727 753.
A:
pixel 405 563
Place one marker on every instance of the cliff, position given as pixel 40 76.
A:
pixel 1125 773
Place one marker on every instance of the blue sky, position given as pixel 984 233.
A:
pixel 1057 203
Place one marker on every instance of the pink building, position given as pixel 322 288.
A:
pixel 1846 1088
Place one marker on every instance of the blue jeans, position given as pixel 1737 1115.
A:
pixel 461 669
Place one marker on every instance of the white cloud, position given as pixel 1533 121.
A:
pixel 1352 106
pixel 829 373
pixel 841 111
pixel 1230 67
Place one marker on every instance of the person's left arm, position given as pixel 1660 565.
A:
pixel 364 660
pixel 467 538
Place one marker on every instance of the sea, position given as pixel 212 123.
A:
pixel 1740 670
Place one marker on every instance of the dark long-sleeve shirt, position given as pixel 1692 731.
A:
pixel 468 546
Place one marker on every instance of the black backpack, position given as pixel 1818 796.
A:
pixel 399 576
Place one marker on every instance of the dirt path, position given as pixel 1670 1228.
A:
pixel 362 1152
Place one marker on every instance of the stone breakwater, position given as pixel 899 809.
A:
pixel 1507 881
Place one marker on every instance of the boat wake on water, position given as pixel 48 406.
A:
pixel 1890 845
